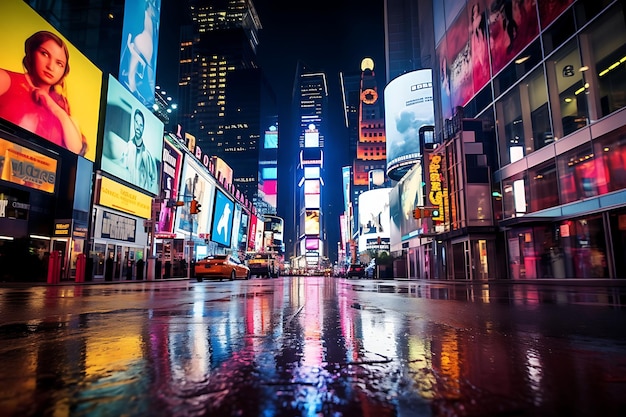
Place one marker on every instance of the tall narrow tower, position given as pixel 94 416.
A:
pixel 368 170
pixel 310 102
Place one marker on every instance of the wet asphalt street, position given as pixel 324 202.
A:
pixel 312 346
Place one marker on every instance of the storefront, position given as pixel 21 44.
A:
pixel 120 245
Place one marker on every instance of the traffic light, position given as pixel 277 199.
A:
pixel 417 213
pixel 194 208
pixel 434 213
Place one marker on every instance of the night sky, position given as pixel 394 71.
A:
pixel 330 36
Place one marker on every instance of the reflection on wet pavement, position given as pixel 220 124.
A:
pixel 312 346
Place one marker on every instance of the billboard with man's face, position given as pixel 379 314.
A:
pixel 132 144
pixel 46 85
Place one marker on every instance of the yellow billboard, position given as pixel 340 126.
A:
pixel 26 167
pixel 122 198
pixel 46 85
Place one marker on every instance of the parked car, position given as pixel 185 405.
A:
pixel 370 269
pixel 355 271
pixel 222 267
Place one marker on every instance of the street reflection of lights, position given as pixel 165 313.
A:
pixel 535 374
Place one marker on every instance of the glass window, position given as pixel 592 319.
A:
pixel 543 186
pixel 608 50
pixel 577 174
pixel 514 196
pixel 611 154
pixel 559 32
pixel 537 96
pixel 567 89
pixel 510 127
pixel 525 61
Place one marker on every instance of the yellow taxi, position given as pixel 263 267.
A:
pixel 222 267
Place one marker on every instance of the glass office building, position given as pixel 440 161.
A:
pixel 548 81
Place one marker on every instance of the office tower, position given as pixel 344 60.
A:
pixel 402 37
pixel 224 95
pixel 310 103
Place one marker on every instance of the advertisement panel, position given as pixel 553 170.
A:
pixel 222 219
pixel 26 167
pixel 123 198
pixel 194 182
pixel 60 105
pixel 411 196
pixel 235 229
pixel 138 57
pixel 374 217
pixel 312 223
pixel 132 144
pixel 170 175
pixel 408 107
pixel 242 241
pixel 253 233
pixel 512 26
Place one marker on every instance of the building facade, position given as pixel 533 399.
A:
pixel 546 81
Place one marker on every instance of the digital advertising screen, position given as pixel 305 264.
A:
pixel 411 196
pixel 140 41
pixel 170 176
pixel 512 25
pixel 374 216
pixel 242 241
pixel 221 227
pixel 312 223
pixel 271 138
pixel 24 166
pixel 408 107
pixel 235 228
pixel 53 102
pixel 132 144
pixel 194 182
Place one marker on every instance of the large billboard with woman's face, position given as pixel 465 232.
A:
pixel 46 85
pixel 132 144
pixel 408 107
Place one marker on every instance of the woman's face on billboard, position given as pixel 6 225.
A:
pixel 50 63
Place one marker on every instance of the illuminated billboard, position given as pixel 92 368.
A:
pixel 138 57
pixel 221 229
pixel 408 107
pixel 312 223
pixel 51 101
pixel 195 182
pixel 271 138
pixel 122 198
pixel 411 196
pixel 23 166
pixel 132 144
pixel 170 175
pixel 374 217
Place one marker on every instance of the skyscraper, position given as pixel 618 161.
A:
pixel 224 95
pixel 310 105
